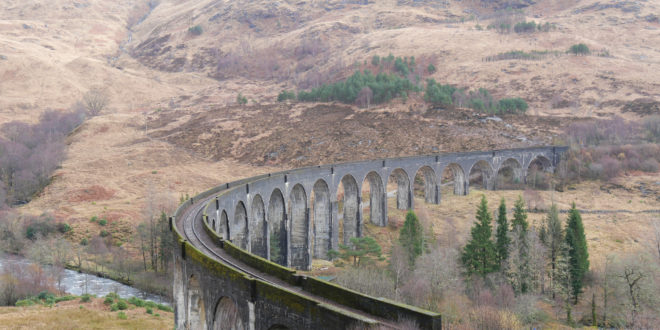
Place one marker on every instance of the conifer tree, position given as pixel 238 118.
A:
pixel 577 251
pixel 554 236
pixel 519 216
pixel 502 241
pixel 479 255
pixel 563 279
pixel 411 237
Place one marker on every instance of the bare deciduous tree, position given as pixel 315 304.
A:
pixel 96 99
pixel 364 97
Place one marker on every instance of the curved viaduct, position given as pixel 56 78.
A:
pixel 239 241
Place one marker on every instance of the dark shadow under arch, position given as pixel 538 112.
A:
pixel 277 241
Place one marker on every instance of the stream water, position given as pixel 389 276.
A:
pixel 76 283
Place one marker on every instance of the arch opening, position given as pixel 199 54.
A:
pixel 373 189
pixel 481 176
pixel 258 228
pixel 196 311
pixel 322 220
pixel 239 229
pixel 453 180
pixel 277 241
pixel 223 226
pixel 348 201
pixel 227 316
pixel 539 173
pixel 400 184
pixel 299 214
pixel 425 185
pixel 509 175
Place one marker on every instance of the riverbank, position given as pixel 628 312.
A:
pixel 83 315
pixel 137 281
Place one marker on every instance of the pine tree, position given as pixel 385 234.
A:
pixel 502 236
pixel 411 237
pixel 519 216
pixel 554 238
pixel 518 269
pixel 577 250
pixel 563 279
pixel 479 255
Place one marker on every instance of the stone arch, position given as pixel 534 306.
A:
pixel 196 311
pixel 426 177
pixel 539 172
pixel 277 240
pixel 403 192
pixel 481 175
pixel 227 315
pixel 223 226
pixel 509 174
pixel 349 201
pixel 258 227
pixel 453 174
pixel 322 222
pixel 377 199
pixel 299 215
pixel 239 231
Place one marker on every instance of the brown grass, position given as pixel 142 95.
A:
pixel 92 315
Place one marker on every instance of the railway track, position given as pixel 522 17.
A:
pixel 191 221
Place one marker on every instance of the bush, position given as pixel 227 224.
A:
pixel 512 105
pixel 103 222
pixel 41 226
pixel 108 301
pixel 150 311
pixel 25 303
pixel 122 316
pixel 286 95
pixel 650 165
pixel 85 298
pixel 579 49
pixel 240 99
pixel 525 27
pixel 431 68
pixel 113 296
pixel 63 227
pixel 150 304
pixel 165 308
pixel 136 301
pixel 122 305
pixel 195 30
pixel 375 61
pixel 43 295
pixel 114 307
pixel 94 219
pixel 104 233
pixel 84 242
pixel 65 298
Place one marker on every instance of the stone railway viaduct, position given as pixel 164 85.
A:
pixel 239 241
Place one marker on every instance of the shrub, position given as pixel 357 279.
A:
pixel 375 61
pixel 65 298
pixel 41 226
pixel 85 298
pixel 114 307
pixel 196 30
pixel 286 95
pixel 650 165
pixel 104 233
pixel 63 227
pixel 431 68
pixel 136 301
pixel 43 295
pixel 150 311
pixel 165 308
pixel 579 49
pixel 113 296
pixel 94 219
pixel 25 302
pixel 438 94
pixel 512 105
pixel 122 316
pixel 84 242
pixel 150 304
pixel 122 305
pixel 108 301
pixel 525 27
pixel 103 222
pixel 240 99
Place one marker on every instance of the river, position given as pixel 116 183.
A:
pixel 74 283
